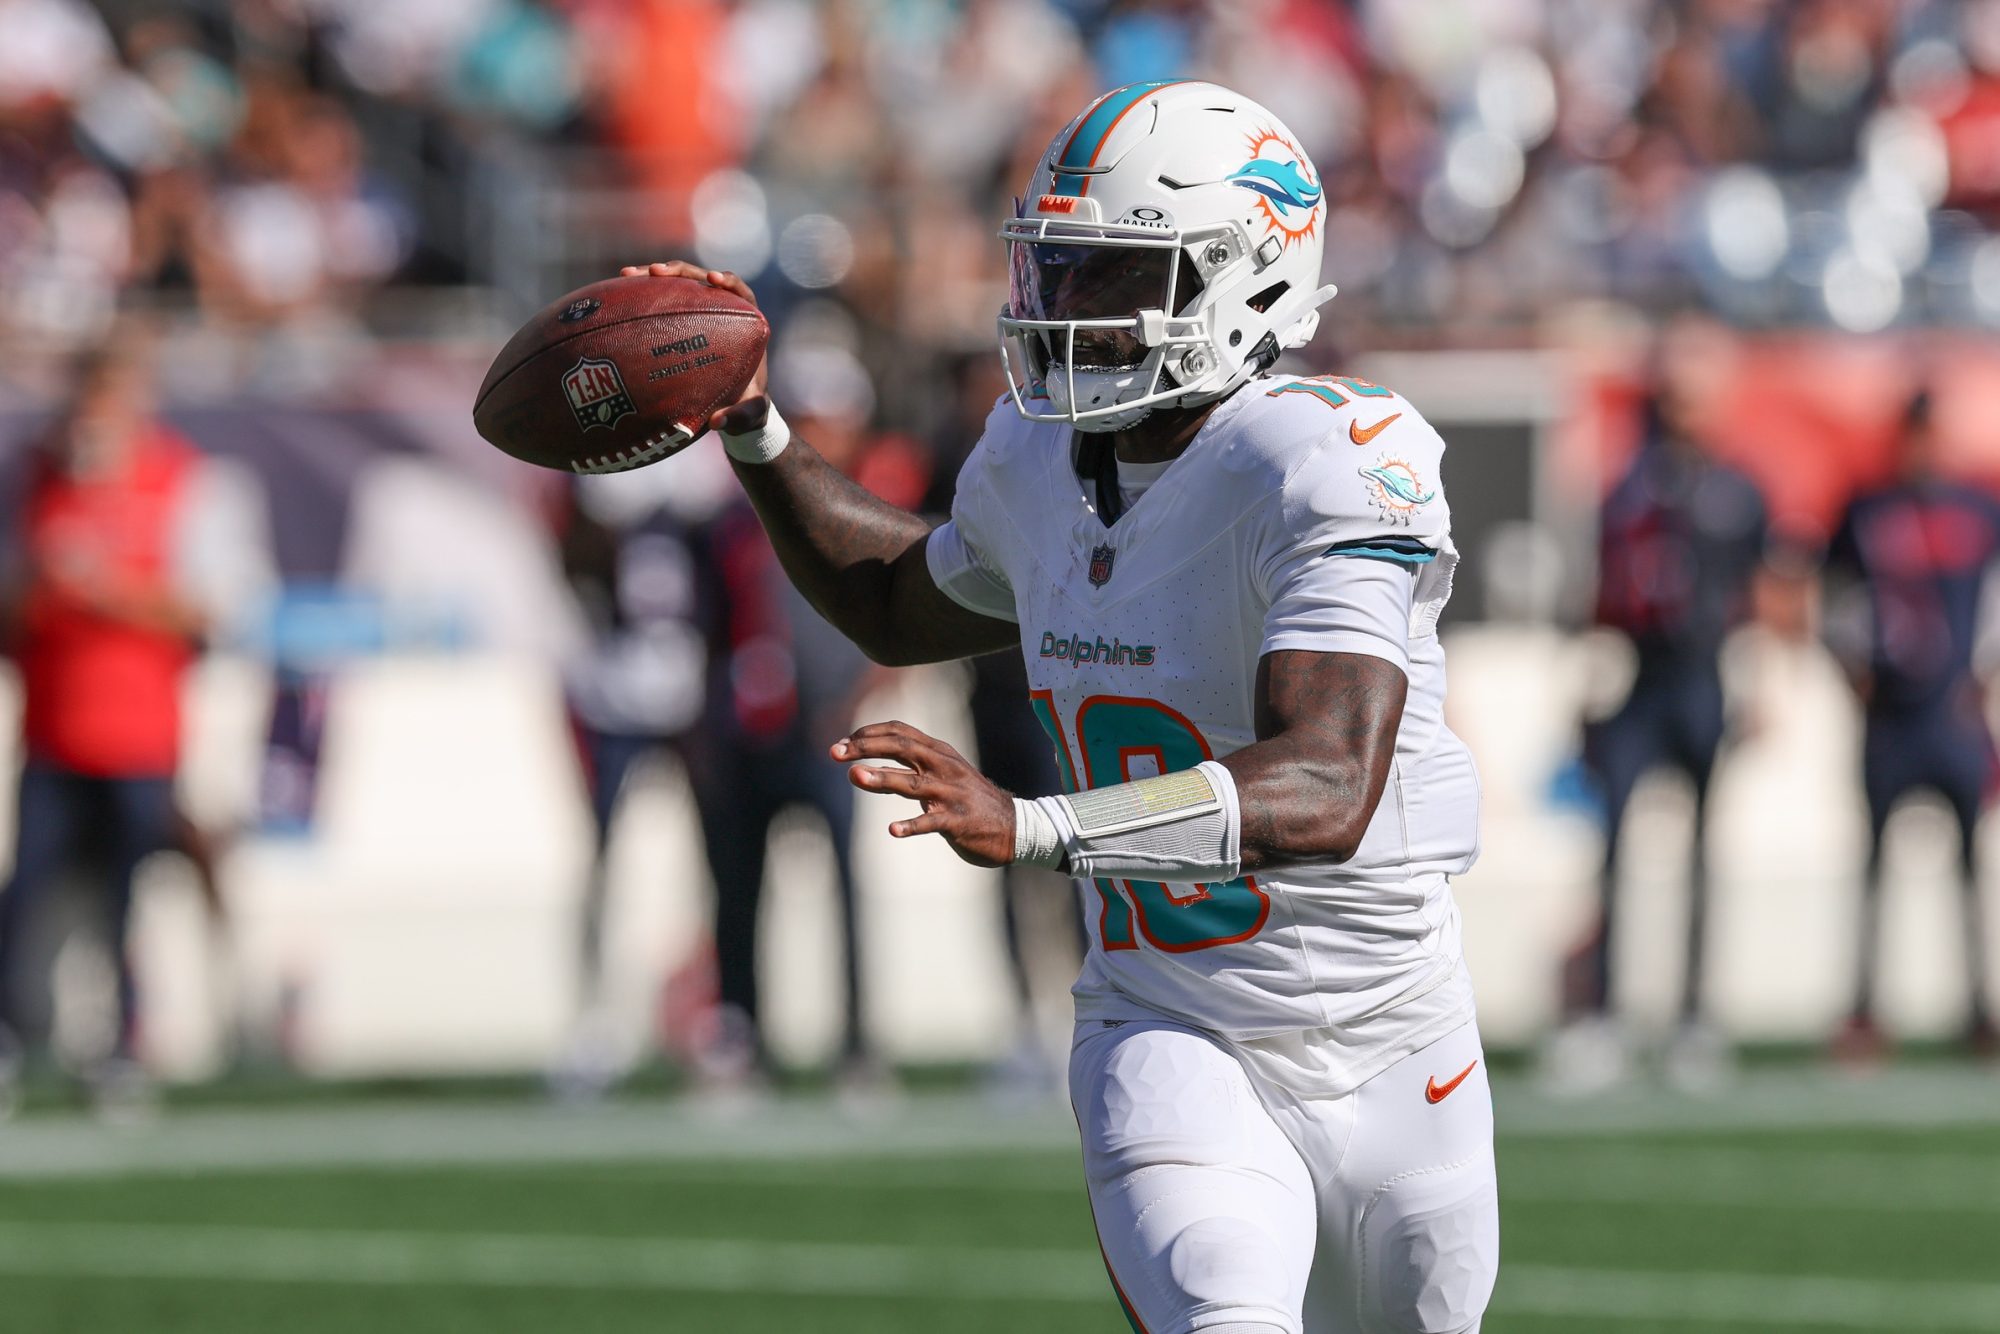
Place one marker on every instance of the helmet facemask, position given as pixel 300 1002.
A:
pixel 1105 323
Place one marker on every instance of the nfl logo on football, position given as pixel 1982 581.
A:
pixel 596 393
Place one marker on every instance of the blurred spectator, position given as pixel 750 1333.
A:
pixel 299 222
pixel 1906 573
pixel 637 687
pixel 55 49
pixel 662 97
pixel 1681 537
pixel 784 683
pixel 126 550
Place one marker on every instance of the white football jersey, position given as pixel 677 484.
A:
pixel 1302 509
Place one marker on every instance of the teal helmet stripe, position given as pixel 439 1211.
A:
pixel 1084 144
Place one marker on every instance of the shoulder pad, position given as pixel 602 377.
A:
pixel 1334 429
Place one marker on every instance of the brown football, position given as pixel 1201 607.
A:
pixel 619 374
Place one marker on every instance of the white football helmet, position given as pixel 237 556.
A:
pixel 1167 250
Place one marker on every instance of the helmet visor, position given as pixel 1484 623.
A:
pixel 1079 281
pixel 1055 281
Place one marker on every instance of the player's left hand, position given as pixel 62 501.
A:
pixel 973 813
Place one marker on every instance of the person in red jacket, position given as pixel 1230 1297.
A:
pixel 102 617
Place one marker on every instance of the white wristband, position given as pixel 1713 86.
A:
pixel 1037 841
pixel 761 445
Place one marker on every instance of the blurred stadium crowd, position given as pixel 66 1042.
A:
pixel 1812 161
pixel 331 210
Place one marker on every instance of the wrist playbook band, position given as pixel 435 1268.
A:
pixel 1183 828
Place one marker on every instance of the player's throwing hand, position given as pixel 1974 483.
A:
pixel 973 813
pixel 749 411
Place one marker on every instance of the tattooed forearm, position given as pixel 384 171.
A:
pixel 860 561
pixel 1326 729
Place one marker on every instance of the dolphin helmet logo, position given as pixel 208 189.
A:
pixel 1283 183
pixel 1288 191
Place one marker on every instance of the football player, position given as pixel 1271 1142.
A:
pixel 1225 585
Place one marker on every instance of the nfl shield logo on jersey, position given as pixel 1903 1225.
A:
pixel 1100 565
pixel 596 393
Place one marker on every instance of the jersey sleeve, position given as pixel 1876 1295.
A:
pixel 967 555
pixel 1330 602
pixel 1345 512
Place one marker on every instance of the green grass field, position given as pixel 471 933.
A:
pixel 1801 1203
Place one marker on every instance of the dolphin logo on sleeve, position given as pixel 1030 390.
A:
pixel 1394 490
pixel 1401 485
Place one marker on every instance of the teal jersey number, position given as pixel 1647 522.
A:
pixel 1328 388
pixel 1111 730
pixel 1114 918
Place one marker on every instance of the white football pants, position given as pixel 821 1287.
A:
pixel 1222 1198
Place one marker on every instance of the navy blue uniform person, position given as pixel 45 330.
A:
pixel 1681 538
pixel 1904 576
pixel 636 685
